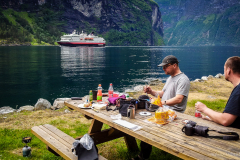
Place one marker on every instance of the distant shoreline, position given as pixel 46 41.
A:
pixel 11 45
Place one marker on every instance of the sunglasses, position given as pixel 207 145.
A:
pixel 166 66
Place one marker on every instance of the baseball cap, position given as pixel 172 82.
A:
pixel 168 59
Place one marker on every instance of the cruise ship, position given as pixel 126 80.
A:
pixel 82 39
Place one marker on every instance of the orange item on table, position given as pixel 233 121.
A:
pixel 172 113
pixel 153 119
pixel 161 115
pixel 157 101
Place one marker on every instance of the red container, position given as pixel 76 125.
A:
pixel 115 94
pixel 198 114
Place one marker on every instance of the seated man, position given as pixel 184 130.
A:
pixel 176 89
pixel 231 115
pixel 174 94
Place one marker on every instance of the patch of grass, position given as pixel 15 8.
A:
pixel 11 145
pixel 221 87
pixel 217 105
pixel 158 154
pixel 209 19
pixel 26 17
pixel 58 121
pixel 8 14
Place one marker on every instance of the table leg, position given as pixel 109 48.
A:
pixel 131 143
pixel 96 126
pixel 87 117
pixel 51 150
pixel 99 136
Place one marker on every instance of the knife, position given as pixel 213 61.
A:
pixel 95 110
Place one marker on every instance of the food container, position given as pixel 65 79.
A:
pixel 161 115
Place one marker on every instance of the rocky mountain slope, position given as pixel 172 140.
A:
pixel 120 22
pixel 201 22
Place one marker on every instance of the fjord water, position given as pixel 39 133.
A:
pixel 50 72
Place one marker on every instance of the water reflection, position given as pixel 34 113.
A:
pixel 123 66
pixel 82 61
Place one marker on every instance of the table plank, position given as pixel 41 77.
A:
pixel 176 127
pixel 186 141
pixel 170 138
pixel 153 140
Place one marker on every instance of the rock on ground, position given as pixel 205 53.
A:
pixel 219 75
pixel 59 103
pixel 197 80
pixel 67 111
pixel 6 110
pixel 210 76
pixel 130 90
pixel 155 82
pixel 42 104
pixel 204 78
pixel 25 108
pixel 138 88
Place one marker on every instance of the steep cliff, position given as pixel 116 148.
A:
pixel 201 22
pixel 120 22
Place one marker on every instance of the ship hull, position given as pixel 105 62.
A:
pixel 74 44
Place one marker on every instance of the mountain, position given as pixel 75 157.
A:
pixel 201 22
pixel 120 22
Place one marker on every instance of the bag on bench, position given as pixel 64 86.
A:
pixel 85 148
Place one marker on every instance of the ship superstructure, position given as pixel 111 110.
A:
pixel 82 39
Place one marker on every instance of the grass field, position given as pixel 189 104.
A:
pixel 13 127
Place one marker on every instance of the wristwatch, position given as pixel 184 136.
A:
pixel 165 102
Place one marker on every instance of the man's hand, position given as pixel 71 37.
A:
pixel 206 118
pixel 147 89
pixel 225 119
pixel 200 107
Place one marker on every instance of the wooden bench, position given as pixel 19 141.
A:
pixel 58 142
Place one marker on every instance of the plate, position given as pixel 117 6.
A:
pixel 82 106
pixel 145 113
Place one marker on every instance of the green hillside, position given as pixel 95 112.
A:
pixel 27 28
pixel 201 23
pixel 44 24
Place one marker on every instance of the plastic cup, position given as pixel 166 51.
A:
pixel 198 114
pixel 115 94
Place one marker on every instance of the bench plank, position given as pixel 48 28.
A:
pixel 55 145
pixel 59 133
pixel 55 136
pixel 58 141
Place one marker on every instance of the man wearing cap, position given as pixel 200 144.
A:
pixel 175 91
pixel 174 94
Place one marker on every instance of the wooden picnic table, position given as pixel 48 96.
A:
pixel 169 137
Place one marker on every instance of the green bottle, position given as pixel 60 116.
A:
pixel 90 96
